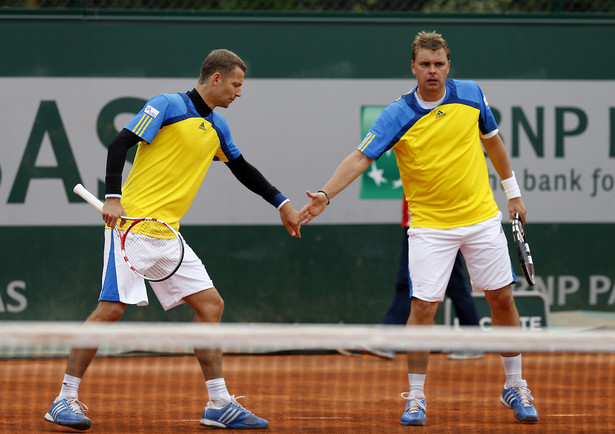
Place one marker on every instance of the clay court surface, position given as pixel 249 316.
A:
pixel 322 393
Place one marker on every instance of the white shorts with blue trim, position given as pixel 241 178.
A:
pixel 432 252
pixel 120 283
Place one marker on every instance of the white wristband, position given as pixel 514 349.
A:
pixel 511 188
pixel 284 202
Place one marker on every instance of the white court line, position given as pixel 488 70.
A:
pixel 570 415
pixel 322 418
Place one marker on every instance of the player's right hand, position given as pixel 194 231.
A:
pixel 112 211
pixel 313 208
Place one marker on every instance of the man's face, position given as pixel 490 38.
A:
pixel 431 69
pixel 227 87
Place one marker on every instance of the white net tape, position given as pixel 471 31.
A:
pixel 258 338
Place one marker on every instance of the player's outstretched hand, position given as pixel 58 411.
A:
pixel 290 219
pixel 316 205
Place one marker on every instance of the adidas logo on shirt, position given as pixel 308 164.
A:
pixel 440 114
pixel 202 126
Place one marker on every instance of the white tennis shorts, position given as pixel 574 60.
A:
pixel 431 255
pixel 120 283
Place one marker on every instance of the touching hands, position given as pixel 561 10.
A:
pixel 317 204
pixel 290 219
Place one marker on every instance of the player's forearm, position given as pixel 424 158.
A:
pixel 494 147
pixel 116 157
pixel 348 170
pixel 255 181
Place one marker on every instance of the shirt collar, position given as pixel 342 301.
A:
pixel 199 104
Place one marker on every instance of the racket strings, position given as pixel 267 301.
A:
pixel 153 249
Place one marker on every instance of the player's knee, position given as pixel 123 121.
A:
pixel 211 309
pixel 218 307
pixel 108 311
pixel 502 301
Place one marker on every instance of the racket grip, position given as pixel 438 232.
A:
pixel 88 197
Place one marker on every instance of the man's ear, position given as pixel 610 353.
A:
pixel 215 79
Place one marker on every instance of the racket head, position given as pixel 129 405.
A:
pixel 523 250
pixel 152 248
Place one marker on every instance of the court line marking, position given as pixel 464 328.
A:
pixel 571 415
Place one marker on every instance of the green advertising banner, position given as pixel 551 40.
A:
pixel 381 180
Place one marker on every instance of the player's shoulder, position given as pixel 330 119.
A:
pixel 401 105
pixel 166 98
pixel 166 102
pixel 219 122
pixel 465 89
pixel 218 119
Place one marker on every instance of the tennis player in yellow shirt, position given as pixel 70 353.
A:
pixel 178 136
pixel 436 131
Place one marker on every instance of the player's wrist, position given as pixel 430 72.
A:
pixel 279 200
pixel 326 196
pixel 511 187
pixel 284 202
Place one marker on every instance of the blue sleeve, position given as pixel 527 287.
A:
pixel 229 150
pixel 486 121
pixel 386 131
pixel 148 121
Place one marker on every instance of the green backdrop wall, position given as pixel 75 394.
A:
pixel 336 273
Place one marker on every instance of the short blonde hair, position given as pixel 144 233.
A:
pixel 431 41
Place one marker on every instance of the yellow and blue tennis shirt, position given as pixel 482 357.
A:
pixel 176 150
pixel 439 155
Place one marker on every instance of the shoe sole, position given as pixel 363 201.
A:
pixel 83 425
pixel 213 424
pixel 531 419
pixel 414 423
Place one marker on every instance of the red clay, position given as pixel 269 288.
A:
pixel 315 393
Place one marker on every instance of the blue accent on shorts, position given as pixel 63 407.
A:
pixel 109 291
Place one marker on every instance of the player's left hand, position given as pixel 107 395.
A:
pixel 290 219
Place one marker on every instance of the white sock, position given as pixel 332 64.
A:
pixel 218 394
pixel 512 369
pixel 417 385
pixel 70 387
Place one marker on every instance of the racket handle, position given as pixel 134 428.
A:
pixel 88 197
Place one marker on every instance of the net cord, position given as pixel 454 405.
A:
pixel 279 337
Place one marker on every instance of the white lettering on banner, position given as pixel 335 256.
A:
pixel 527 322
pixel 559 289
pixel 599 285
pixel 15 301
pixel 559 135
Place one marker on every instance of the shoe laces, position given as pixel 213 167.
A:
pixel 525 395
pixel 76 405
pixel 415 403
pixel 234 400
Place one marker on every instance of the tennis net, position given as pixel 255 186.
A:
pixel 307 377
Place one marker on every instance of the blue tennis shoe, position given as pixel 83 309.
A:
pixel 233 416
pixel 69 412
pixel 414 415
pixel 519 398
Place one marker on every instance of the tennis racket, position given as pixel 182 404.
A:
pixel 151 248
pixel 523 249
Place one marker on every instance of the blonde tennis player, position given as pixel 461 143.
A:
pixel 436 131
